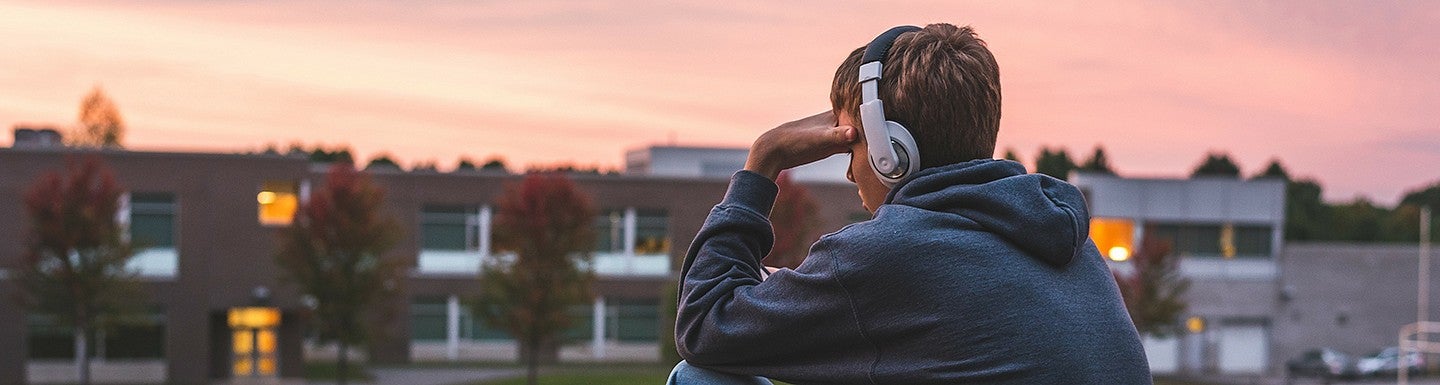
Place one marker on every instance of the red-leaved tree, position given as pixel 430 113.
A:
pixel 794 221
pixel 334 250
pixel 76 252
pixel 1154 290
pixel 543 228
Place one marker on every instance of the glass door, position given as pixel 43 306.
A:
pixel 253 352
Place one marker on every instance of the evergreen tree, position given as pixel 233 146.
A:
pixel 1274 170
pixel 1098 163
pixel 1055 163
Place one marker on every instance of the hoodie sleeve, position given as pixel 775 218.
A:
pixel 796 325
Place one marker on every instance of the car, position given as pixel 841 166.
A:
pixel 1324 363
pixel 1386 362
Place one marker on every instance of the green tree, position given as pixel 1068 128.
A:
pixel 794 222
pixel 321 155
pixel 1307 217
pixel 1098 163
pixel 1010 155
pixel 465 164
pixel 1154 292
pixel 494 163
pixel 382 161
pixel 426 166
pixel 1358 221
pixel 100 122
pixel 1055 163
pixel 1407 215
pixel 545 226
pixel 1217 164
pixel 334 250
pixel 1274 170
pixel 76 253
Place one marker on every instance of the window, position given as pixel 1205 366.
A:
pixel 610 231
pixel 141 336
pixel 1215 240
pixel 1115 237
pixel 278 201
pixel 651 235
pixel 632 241
pixel 1253 241
pixel 150 218
pixel 449 228
pixel 636 320
pixel 453 238
pixel 428 319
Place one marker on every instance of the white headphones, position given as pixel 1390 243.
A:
pixel 900 158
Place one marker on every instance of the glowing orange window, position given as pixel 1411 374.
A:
pixel 1115 237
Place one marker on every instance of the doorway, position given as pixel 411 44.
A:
pixel 253 352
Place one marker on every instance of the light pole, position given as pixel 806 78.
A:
pixel 1423 308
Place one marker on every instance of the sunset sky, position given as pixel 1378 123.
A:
pixel 1345 92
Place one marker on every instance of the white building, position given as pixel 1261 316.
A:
pixel 1228 233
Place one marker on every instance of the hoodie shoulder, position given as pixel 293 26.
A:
pixel 1044 216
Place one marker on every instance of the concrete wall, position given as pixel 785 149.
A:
pixel 1350 297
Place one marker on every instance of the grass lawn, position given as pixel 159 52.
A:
pixel 326 371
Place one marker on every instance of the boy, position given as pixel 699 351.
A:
pixel 971 270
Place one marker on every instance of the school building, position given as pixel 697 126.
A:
pixel 219 308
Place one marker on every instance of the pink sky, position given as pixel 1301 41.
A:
pixel 1344 92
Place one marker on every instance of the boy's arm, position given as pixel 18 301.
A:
pixel 796 325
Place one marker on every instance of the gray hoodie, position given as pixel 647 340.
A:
pixel 969 273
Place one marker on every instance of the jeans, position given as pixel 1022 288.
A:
pixel 685 374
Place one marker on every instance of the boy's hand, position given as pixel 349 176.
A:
pixel 798 142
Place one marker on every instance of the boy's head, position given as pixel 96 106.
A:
pixel 942 84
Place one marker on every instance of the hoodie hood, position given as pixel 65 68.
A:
pixel 1041 215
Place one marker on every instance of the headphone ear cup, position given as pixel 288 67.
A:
pixel 907 154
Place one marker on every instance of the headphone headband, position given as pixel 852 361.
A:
pixel 880 47
pixel 893 154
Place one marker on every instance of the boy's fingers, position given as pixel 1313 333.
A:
pixel 847 134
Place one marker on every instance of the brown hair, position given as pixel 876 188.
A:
pixel 942 84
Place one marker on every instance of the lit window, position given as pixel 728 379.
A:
pixel 1195 324
pixel 1114 237
pixel 651 235
pixel 278 201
